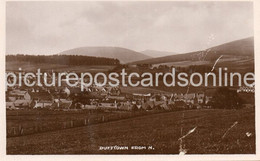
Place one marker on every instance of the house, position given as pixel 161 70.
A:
pixel 127 106
pixel 18 95
pixel 137 104
pixel 139 96
pixel 178 97
pixel 114 91
pixel 108 104
pixel 200 97
pixel 208 99
pixel 42 104
pixel 19 98
pixel 41 100
pixel 189 98
pixel 21 103
pixel 10 105
pixel 147 105
pixel 62 104
pixel 91 106
pixel 118 98
pixel 165 106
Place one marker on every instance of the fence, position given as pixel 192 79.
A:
pixel 38 127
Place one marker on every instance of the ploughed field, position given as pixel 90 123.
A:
pixel 205 131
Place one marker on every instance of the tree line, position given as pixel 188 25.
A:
pixel 63 59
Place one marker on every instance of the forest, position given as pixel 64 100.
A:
pixel 62 59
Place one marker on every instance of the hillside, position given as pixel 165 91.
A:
pixel 156 54
pixel 122 54
pixel 239 49
pixel 59 63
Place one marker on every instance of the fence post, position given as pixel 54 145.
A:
pixel 9 131
pixel 103 118
pixel 19 128
pixel 21 132
pixel 14 131
pixel 71 123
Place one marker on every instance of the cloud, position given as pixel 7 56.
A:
pixel 51 27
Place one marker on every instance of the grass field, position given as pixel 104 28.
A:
pixel 161 131
pixel 27 122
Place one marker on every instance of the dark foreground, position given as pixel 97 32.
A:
pixel 152 134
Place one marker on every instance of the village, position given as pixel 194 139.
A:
pixel 95 97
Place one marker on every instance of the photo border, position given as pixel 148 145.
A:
pixel 243 157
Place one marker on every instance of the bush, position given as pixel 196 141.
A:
pixel 225 98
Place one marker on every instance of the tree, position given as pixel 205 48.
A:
pixel 226 99
pixel 63 59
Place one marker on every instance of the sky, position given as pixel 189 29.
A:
pixel 52 27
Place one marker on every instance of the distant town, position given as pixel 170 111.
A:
pixel 105 97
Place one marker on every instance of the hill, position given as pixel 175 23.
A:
pixel 122 54
pixel 156 54
pixel 235 51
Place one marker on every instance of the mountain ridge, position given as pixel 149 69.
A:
pixel 243 47
pixel 122 54
pixel 157 53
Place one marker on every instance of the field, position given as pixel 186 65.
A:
pixel 214 131
pixel 27 122
pixel 234 64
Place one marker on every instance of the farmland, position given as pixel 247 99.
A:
pixel 213 134
pixel 26 122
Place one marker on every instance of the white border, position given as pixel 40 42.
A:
pixel 3 155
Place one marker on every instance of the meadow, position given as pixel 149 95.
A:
pixel 212 131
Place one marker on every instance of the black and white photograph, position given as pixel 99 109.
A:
pixel 130 78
